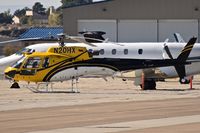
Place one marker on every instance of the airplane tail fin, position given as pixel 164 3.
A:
pixel 186 51
pixel 180 68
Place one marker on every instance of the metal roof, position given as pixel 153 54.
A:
pixel 42 32
pixel 77 5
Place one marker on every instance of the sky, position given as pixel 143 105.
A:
pixel 19 4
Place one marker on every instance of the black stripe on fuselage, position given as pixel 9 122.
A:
pixel 114 64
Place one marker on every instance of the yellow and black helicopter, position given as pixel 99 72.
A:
pixel 69 62
pixel 39 66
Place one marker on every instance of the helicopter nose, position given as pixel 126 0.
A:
pixel 10 73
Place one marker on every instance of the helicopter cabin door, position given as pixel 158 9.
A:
pixel 31 66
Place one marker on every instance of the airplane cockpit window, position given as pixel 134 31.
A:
pixel 140 51
pixel 114 51
pixel 125 51
pixel 101 51
pixel 46 62
pixel 18 63
pixel 33 62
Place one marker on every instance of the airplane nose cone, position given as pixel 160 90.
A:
pixel 9 73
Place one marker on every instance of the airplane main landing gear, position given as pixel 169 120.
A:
pixel 15 85
pixel 149 85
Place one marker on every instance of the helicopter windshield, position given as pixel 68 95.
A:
pixel 18 63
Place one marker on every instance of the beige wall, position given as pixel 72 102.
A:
pixel 131 9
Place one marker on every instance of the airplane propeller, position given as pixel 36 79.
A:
pixel 166 48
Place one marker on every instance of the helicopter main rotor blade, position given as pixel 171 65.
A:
pixel 18 40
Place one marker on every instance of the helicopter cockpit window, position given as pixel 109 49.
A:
pixel 46 62
pixel 33 62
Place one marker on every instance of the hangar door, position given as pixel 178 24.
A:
pixel 187 29
pixel 137 30
pixel 108 26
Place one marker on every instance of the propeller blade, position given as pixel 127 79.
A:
pixel 168 51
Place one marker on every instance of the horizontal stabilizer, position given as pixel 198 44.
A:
pixel 180 68
pixel 178 38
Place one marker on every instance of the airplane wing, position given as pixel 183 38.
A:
pixel 193 59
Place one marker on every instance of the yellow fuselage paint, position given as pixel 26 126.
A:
pixel 58 57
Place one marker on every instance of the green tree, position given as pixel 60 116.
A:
pixel 21 13
pixel 55 19
pixel 39 8
pixel 24 20
pixel 30 21
pixel 6 17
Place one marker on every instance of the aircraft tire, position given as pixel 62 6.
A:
pixel 149 85
pixel 184 81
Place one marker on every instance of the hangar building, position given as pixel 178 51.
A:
pixel 135 20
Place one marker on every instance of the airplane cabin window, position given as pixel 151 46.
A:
pixel 114 51
pixel 140 51
pixel 101 51
pixel 125 51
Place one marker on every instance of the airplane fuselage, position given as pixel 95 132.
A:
pixel 112 58
pixel 131 56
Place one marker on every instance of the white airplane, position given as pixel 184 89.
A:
pixel 123 56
